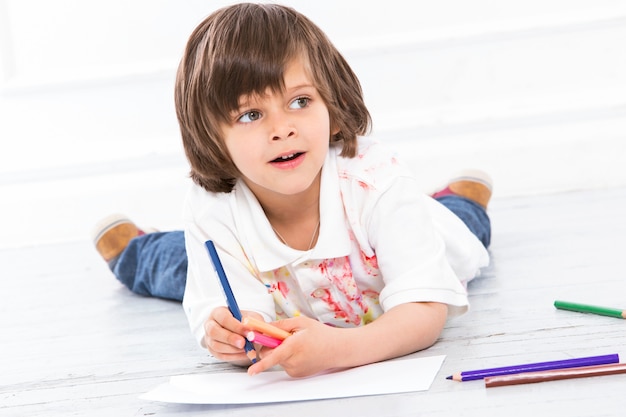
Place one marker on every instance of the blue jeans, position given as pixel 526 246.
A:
pixel 473 215
pixel 156 264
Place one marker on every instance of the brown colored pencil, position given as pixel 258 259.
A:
pixel 542 376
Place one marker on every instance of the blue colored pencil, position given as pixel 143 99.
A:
pixel 230 297
pixel 533 367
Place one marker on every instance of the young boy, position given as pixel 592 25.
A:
pixel 320 231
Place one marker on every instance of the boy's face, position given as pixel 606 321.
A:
pixel 279 140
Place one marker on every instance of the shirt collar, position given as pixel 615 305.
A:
pixel 264 247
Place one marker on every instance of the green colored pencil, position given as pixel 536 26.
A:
pixel 584 308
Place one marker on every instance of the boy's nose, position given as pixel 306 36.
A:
pixel 283 128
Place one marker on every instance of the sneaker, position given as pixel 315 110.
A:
pixel 472 184
pixel 112 234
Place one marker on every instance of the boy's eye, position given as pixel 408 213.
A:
pixel 250 116
pixel 299 103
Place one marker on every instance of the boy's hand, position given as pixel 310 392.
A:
pixel 224 336
pixel 309 350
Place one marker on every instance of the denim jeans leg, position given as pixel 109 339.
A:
pixel 472 214
pixel 154 265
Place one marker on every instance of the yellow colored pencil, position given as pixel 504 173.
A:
pixel 265 328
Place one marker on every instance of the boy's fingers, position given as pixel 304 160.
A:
pixel 268 361
pixel 219 339
pixel 223 317
pixel 232 344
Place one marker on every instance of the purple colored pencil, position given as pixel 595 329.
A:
pixel 533 367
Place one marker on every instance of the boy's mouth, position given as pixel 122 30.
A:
pixel 287 158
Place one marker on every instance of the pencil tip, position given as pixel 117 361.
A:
pixel 251 354
pixel 449 377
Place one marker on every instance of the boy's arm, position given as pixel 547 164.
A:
pixel 315 347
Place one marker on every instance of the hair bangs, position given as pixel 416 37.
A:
pixel 252 58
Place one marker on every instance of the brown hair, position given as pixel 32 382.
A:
pixel 241 50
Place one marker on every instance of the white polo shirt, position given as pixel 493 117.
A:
pixel 382 243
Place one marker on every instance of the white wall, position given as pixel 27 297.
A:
pixel 533 91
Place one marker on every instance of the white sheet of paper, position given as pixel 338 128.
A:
pixel 389 377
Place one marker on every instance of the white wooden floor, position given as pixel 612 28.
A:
pixel 74 342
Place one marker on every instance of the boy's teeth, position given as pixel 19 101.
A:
pixel 287 157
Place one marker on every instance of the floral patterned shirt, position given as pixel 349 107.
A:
pixel 382 243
